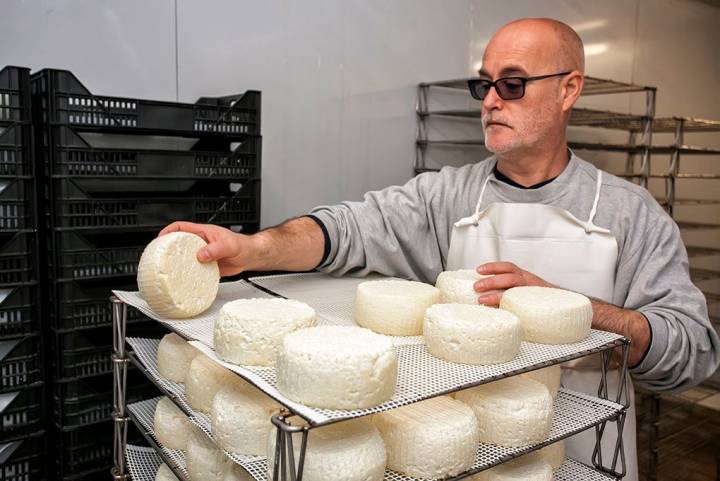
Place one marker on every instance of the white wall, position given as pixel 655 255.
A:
pixel 338 77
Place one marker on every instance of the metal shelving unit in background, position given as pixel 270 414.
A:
pixel 639 127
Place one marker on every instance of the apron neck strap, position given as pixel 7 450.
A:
pixel 482 193
pixel 597 198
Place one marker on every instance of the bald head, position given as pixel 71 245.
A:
pixel 549 41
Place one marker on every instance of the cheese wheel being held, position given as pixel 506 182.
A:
pixel 394 307
pixel 512 412
pixel 170 424
pixel 459 286
pixel 337 367
pixel 171 279
pixel 174 356
pixel 250 331
pixel 345 451
pixel 549 315
pixel 434 438
pixel 471 334
pixel 203 381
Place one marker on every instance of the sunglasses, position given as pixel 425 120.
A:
pixel 507 88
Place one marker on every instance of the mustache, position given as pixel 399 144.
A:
pixel 489 119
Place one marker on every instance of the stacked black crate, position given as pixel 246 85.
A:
pixel 117 170
pixel 22 390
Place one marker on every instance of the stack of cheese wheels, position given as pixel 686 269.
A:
pixel 549 376
pixel 165 474
pixel 203 381
pixel 512 412
pixel 394 307
pixel 471 334
pixel 521 469
pixel 240 418
pixel 174 357
pixel 459 286
pixel 337 367
pixel 346 451
pixel 553 454
pixel 434 438
pixel 205 461
pixel 549 315
pixel 171 279
pixel 249 331
pixel 171 426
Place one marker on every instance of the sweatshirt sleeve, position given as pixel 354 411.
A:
pixel 684 349
pixel 397 231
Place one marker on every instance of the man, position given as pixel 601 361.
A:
pixel 533 214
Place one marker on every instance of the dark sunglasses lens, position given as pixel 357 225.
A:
pixel 479 89
pixel 510 89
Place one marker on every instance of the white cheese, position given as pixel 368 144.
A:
pixel 241 418
pixel 512 412
pixel 471 334
pixel 205 461
pixel 174 356
pixel 394 307
pixel 249 331
pixel 236 473
pixel 549 315
pixel 346 451
pixel 203 381
pixel 434 438
pixel 170 424
pixel 459 286
pixel 171 279
pixel 337 367
pixel 520 469
pixel 549 376
pixel 165 474
pixel 553 454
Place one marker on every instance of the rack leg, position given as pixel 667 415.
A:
pixel 120 362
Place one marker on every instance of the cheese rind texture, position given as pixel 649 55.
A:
pixel 549 315
pixel 524 468
pixel 346 451
pixel 236 473
pixel 170 424
pixel 394 307
pixel 458 286
pixel 553 454
pixel 250 331
pixel 164 473
pixel 174 356
pixel 434 438
pixel 471 334
pixel 512 412
pixel 171 279
pixel 203 381
pixel 549 376
pixel 240 418
pixel 337 367
pixel 205 461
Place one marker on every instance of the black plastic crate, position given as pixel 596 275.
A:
pixel 15 95
pixel 18 258
pixel 24 459
pixel 16 205
pixel 89 401
pixel 21 412
pixel 20 363
pixel 19 310
pixel 16 151
pixel 65 100
pixel 85 449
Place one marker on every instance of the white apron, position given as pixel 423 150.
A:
pixel 577 255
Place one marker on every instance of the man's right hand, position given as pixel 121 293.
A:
pixel 231 250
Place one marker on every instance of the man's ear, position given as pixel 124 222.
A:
pixel 571 89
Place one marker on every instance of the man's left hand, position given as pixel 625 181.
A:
pixel 505 275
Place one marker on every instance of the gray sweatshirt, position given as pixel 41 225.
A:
pixel 405 231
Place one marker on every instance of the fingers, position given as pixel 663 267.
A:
pixel 492 300
pixel 499 282
pixel 223 248
pixel 182 226
pixel 497 268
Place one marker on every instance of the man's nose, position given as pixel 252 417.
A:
pixel 492 100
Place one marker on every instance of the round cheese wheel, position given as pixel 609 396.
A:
pixel 549 315
pixel 205 461
pixel 521 469
pixel 553 454
pixel 170 424
pixel 249 331
pixel 241 418
pixel 512 412
pixel 236 473
pixel 203 381
pixel 346 451
pixel 471 334
pixel 164 473
pixel 394 307
pixel 549 376
pixel 171 279
pixel 434 438
pixel 174 356
pixel 337 367
pixel 459 286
